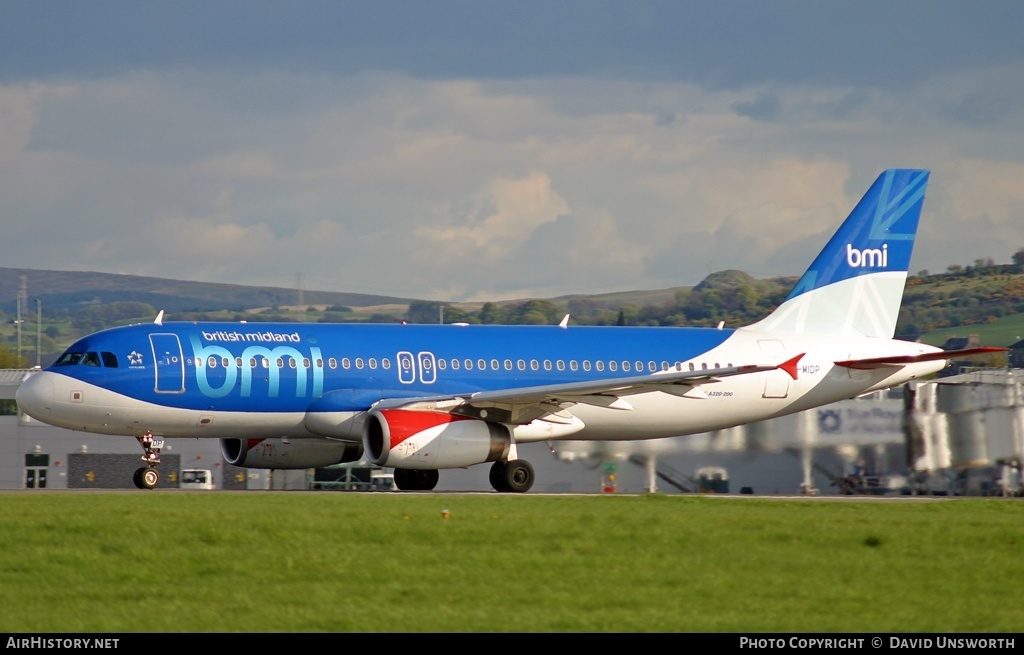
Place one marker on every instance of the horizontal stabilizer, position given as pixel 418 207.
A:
pixel 882 362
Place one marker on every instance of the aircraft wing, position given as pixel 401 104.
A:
pixel 883 362
pixel 522 405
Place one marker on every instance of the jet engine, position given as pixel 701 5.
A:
pixel 423 439
pixel 288 453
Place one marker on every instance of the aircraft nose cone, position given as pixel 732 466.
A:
pixel 35 395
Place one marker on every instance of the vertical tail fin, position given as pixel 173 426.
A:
pixel 855 285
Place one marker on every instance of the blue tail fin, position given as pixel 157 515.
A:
pixel 855 285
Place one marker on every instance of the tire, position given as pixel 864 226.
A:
pixel 497 476
pixel 427 479
pixel 415 479
pixel 150 478
pixel 145 478
pixel 518 476
pixel 404 479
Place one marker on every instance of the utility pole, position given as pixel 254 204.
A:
pixel 17 322
pixel 39 332
pixel 21 297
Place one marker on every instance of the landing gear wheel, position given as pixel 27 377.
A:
pixel 427 480
pixel 518 476
pixel 497 476
pixel 146 478
pixel 415 479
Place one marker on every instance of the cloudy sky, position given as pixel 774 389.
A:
pixel 459 150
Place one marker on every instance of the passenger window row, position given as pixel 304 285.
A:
pixel 109 360
pixel 467 364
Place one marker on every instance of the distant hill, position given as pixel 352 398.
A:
pixel 986 300
pixel 71 290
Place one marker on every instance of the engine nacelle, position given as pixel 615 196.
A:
pixel 288 453
pixel 420 439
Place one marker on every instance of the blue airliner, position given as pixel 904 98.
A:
pixel 419 398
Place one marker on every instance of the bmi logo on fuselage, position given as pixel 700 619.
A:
pixel 868 257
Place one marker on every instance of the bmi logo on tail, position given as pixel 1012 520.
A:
pixel 868 257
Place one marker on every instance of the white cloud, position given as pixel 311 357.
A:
pixel 463 188
pixel 504 214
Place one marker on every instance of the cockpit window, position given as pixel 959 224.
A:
pixel 89 358
pixel 69 359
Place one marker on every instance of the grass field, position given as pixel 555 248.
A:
pixel 347 562
pixel 1005 331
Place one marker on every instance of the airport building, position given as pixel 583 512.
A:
pixel 960 435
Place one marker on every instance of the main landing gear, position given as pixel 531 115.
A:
pixel 147 476
pixel 416 479
pixel 515 475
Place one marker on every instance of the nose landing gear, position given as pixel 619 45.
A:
pixel 147 476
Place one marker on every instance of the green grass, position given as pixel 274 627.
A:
pixel 333 562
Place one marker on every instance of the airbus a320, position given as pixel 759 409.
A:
pixel 422 398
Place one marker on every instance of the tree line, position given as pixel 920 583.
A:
pixel 961 296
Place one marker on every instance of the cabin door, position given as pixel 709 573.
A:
pixel 776 384
pixel 169 363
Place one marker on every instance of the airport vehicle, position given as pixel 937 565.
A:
pixel 352 476
pixel 420 398
pixel 196 479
